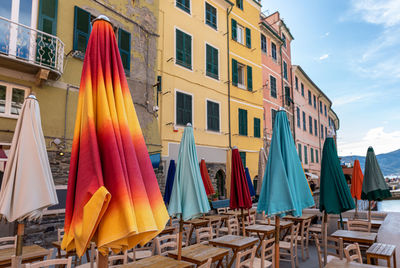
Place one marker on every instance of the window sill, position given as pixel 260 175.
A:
pixel 9 116
pixel 214 27
pixel 213 131
pixel 184 65
pixel 215 77
pixel 183 9
pixel 241 86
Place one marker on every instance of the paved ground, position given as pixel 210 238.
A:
pixel 311 262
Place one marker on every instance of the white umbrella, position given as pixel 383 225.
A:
pixel 262 162
pixel 28 186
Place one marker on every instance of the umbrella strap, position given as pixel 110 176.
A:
pixel 341 221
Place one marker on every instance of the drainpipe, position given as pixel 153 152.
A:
pixel 292 92
pixel 319 127
pixel 283 93
pixel 228 11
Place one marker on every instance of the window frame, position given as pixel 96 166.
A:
pixel 315 127
pixel 284 40
pixel 322 131
pixel 219 115
pixel 8 98
pixel 77 32
pixel 218 59
pixel 243 67
pixel 176 106
pixel 304 121
pixel 216 16
pixel 240 5
pixel 299 152
pixel 305 155
pixel 276 89
pixel 312 154
pixel 184 8
pixel 175 50
pixel 310 124
pixel 316 156
pixel 122 51
pixel 274 55
pixel 315 101
pixel 298 117
pixel 296 83
pixel 302 89
pixel 309 97
pixel 265 49
pixel 256 119
pixel 285 70
pixel 242 29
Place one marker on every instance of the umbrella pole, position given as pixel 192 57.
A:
pixel 243 230
pixel 369 210
pixel 277 235
pixel 20 236
pixel 355 214
pixel 102 261
pixel 325 236
pixel 180 239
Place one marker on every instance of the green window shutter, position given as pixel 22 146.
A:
pixel 316 156
pixel 243 157
pixel 212 116
pixel 82 29
pixel 183 49
pixel 184 5
pixel 242 122
pixel 211 16
pixel 249 78
pixel 305 155
pixel 248 37
pixel 183 108
pixel 211 62
pixel 124 45
pixel 300 153
pixel 48 16
pixel 234 72
pixel 234 29
pixel 257 128
pixel 312 155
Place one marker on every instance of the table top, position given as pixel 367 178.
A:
pixel 373 222
pixel 356 236
pixel 196 222
pixel 381 249
pixel 303 217
pixel 233 241
pixel 200 253
pixel 168 230
pixel 260 228
pixel 215 217
pixel 344 264
pixel 282 224
pixel 28 253
pixel 158 261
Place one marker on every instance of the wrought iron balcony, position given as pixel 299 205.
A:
pixel 30 50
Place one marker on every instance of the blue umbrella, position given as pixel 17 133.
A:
pixel 170 181
pixel 251 187
pixel 284 189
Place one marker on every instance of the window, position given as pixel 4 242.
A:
pixel 287 96
pixel 212 116
pixel 257 127
pixel 284 40
pixel 273 116
pixel 326 132
pixel 184 5
pixel 124 45
pixel 183 108
pixel 239 75
pixel 240 71
pixel 273 51
pixel 239 4
pixel 296 83
pixel 320 107
pixel 305 155
pixel 47 23
pixel 238 32
pixel 310 128
pixel 242 122
pixel 315 127
pixel 316 156
pixel 11 99
pixel 312 155
pixel 183 49
pixel 211 16
pixel 263 43
pixel 304 121
pixel 211 61
pixel 325 110
pixel 315 102
pixel 243 157
pixel 309 98
pixel 299 151
pixel 285 73
pixel 298 116
pixel 302 89
pixel 82 29
pixel 249 78
pixel 322 131
pixel 273 86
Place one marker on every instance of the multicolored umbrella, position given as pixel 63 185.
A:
pixel 113 196
pixel 249 183
pixel 285 189
pixel 262 162
pixel 374 187
pixel 188 197
pixel 206 178
pixel 170 181
pixel 356 183
pixel 240 193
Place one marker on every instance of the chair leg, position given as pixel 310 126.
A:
pixel 296 257
pixel 302 249
pixel 292 260
pixel 308 252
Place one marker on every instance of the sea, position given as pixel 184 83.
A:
pixel 389 205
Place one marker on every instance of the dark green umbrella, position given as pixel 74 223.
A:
pixel 335 196
pixel 374 187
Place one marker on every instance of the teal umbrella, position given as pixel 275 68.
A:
pixel 188 197
pixel 374 187
pixel 334 197
pixel 284 189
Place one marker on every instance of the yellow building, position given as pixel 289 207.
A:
pixel 246 87
pixel 192 66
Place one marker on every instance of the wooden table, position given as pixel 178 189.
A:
pixel 234 242
pixel 216 218
pixel 29 254
pixel 375 224
pixel 303 217
pixel 199 254
pixel 194 224
pixel 382 251
pixel 263 232
pixel 364 238
pixel 335 263
pixel 168 230
pixel 158 261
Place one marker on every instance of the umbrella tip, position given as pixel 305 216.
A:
pixel 102 17
pixel 32 96
pixel 234 147
pixel 188 125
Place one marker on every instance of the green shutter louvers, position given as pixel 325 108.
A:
pixel 234 72
pixel 234 29
pixel 248 37
pixel 249 78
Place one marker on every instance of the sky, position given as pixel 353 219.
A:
pixel 351 50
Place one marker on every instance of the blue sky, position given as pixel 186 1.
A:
pixel 351 50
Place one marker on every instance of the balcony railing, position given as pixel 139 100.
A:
pixel 27 45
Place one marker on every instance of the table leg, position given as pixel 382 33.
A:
pixel 233 258
pixel 388 262
pixel 394 259
pixel 190 235
pixel 368 259
pixel 58 252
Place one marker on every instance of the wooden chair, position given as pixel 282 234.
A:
pixel 246 258
pixel 221 210
pixel 207 264
pixel 116 260
pixel 91 261
pixel 186 232
pixel 250 220
pixel 141 252
pixel 8 242
pixel 359 225
pixel 303 238
pixel 267 254
pixel 215 225
pixel 232 227
pixel 203 235
pixel 317 227
pixel 357 253
pixel 288 247
pixel 47 263
pixel 333 243
pixel 165 243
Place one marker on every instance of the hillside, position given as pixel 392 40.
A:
pixel 389 162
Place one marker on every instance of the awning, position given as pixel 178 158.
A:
pixel 312 176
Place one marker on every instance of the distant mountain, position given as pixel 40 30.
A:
pixel 389 162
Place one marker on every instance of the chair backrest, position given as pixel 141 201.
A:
pixel 203 235
pixel 359 225
pixel 47 263
pixel 221 210
pixel 214 225
pixel 250 220
pixel 207 264
pixel 186 233
pixel 336 244
pixel 174 222
pixel 165 243
pixel 115 260
pixel 8 242
pixel 319 250
pixel 353 253
pixel 233 225
pixel 268 251
pixel 246 258
pixel 305 227
pixel 60 234
pixel 294 232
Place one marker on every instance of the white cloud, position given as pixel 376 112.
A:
pixel 350 99
pixel 384 12
pixel 324 57
pixel 383 142
pixel 325 35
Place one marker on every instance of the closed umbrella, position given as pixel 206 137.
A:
pixel 170 181
pixel 28 187
pixel 262 161
pixel 374 187
pixel 113 196
pixel 188 197
pixel 206 178
pixel 335 196
pixel 285 189
pixel 356 183
pixel 249 183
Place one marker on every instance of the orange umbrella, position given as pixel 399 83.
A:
pixel 113 196
pixel 356 183
pixel 206 178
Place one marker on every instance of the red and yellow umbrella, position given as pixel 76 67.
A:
pixel 206 178
pixel 113 196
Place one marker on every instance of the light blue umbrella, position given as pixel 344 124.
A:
pixel 188 196
pixel 284 189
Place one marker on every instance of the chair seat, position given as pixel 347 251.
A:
pixel 86 265
pixel 140 254
pixel 313 229
pixel 284 245
pixel 257 263
pixel 317 225
pixel 330 258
